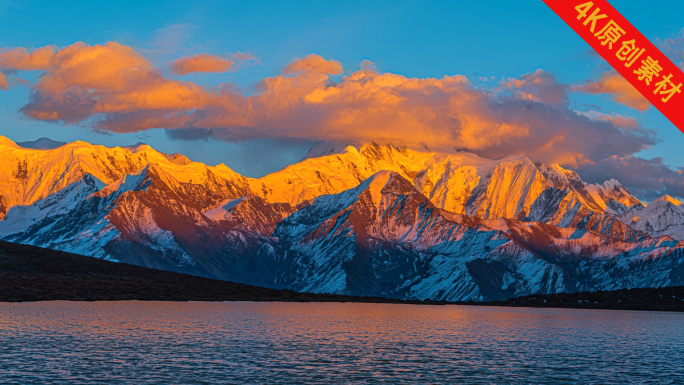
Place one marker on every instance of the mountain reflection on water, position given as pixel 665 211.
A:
pixel 152 342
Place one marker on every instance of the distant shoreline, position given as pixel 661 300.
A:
pixel 659 299
pixel 31 274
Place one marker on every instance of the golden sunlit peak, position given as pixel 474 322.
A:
pixel 7 142
pixel 667 198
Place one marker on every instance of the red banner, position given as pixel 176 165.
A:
pixel 628 51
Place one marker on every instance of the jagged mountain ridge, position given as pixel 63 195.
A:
pixel 463 183
pixel 29 175
pixel 184 216
pixel 386 238
pixel 380 238
pixel 663 216
pixel 509 189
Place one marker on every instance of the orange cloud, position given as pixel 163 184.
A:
pixel 112 87
pixel 369 106
pixel 614 84
pixel 208 63
pixel 22 59
pixel 315 64
pixel 82 81
pixel 3 82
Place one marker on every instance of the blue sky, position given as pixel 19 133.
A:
pixel 498 39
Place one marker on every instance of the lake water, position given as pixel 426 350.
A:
pixel 244 342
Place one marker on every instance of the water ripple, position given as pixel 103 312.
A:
pixel 218 343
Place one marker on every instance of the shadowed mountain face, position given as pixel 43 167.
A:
pixel 378 220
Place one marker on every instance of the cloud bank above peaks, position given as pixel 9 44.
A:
pixel 647 179
pixel 113 88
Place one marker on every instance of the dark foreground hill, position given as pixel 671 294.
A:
pixel 29 273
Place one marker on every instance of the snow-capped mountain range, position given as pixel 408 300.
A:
pixel 663 216
pixel 366 220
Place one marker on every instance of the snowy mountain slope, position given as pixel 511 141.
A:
pixel 385 238
pixel 610 197
pixel 378 239
pixel 338 172
pixel 381 238
pixel 460 182
pixel 591 261
pixel 19 218
pixel 250 213
pixel 152 219
pixel 507 191
pixel 613 197
pixel 513 187
pixel 664 216
pixel 28 175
